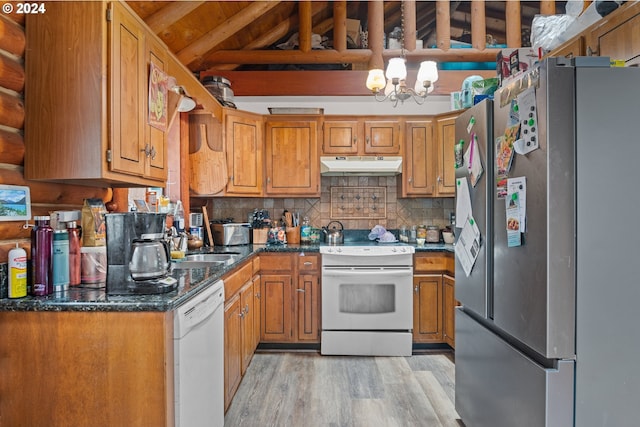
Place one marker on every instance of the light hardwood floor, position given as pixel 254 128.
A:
pixel 306 389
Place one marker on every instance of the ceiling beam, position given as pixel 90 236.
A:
pixel 315 83
pixel 330 56
pixel 196 50
pixel 170 14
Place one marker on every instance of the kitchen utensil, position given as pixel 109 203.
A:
pixel 208 172
pixel 207 226
pixel 231 233
pixel 333 236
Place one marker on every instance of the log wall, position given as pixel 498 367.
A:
pixel 45 197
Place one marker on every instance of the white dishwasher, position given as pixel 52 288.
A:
pixel 199 359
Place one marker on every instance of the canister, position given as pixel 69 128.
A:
pixel 433 234
pixel 93 264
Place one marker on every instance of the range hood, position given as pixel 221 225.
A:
pixel 361 165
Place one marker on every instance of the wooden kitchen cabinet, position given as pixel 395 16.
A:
pixel 92 368
pixel 292 162
pixel 617 36
pixel 434 298
pixel 448 310
pixel 350 135
pixel 570 49
pixel 290 296
pixel 232 348
pixel 90 126
pixel 445 162
pixel 419 166
pixel 239 323
pixel 427 308
pixel 245 155
pixel 308 295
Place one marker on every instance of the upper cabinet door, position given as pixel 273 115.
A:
pixel 419 164
pixel 155 139
pixel 243 138
pixel 293 167
pixel 341 137
pixel 128 60
pixel 446 139
pixel 382 137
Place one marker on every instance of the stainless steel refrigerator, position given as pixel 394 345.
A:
pixel 547 333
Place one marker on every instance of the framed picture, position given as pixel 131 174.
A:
pixel 15 203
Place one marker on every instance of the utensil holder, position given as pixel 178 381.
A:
pixel 260 236
pixel 293 235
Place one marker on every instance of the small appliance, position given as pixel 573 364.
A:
pixel 138 255
pixel 230 233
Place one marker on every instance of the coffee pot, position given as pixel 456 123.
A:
pixel 150 259
pixel 138 254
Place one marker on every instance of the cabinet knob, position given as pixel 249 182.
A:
pixel 355 140
pixel 439 179
pixel 258 295
pixel 410 179
pixel 416 289
pixel 146 150
pixel 152 153
pixel 368 141
pixel 241 315
pixel 246 309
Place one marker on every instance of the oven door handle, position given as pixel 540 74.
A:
pixel 354 271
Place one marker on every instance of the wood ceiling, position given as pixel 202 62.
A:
pixel 200 33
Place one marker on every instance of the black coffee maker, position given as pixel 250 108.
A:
pixel 138 255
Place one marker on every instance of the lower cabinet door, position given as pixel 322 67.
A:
pixel 232 349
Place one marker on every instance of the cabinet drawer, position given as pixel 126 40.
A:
pixel 430 262
pixel 235 280
pixel 308 262
pixel 270 262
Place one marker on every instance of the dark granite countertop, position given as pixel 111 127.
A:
pixel 190 282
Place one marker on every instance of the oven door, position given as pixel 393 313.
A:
pixel 367 298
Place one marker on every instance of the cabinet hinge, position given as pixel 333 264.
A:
pixel 109 14
pixel 108 156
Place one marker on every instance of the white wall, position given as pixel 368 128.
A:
pixel 351 105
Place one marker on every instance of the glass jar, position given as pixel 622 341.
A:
pixel 413 234
pixel 421 232
pixel 433 234
pixel 403 234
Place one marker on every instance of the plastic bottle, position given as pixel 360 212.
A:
pixel 75 274
pixel 17 272
pixel 41 256
pixel 305 231
pixel 60 260
pixel 178 217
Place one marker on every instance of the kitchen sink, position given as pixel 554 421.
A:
pixel 181 265
pixel 206 260
pixel 212 257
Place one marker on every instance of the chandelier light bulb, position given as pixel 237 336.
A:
pixel 396 69
pixel 375 80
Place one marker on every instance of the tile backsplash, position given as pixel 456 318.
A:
pixel 399 211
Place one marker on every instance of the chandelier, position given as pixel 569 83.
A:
pixel 395 85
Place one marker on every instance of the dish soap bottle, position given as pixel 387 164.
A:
pixel 17 272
